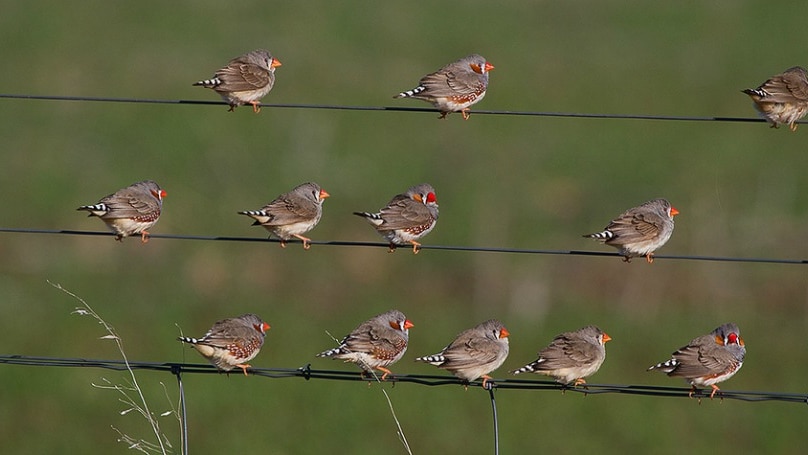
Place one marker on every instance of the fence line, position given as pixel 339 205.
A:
pixel 307 373
pixel 472 249
pixel 99 99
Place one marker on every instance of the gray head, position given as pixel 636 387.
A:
pixel 262 58
pixel 150 187
pixel 661 206
pixel 423 193
pixel 254 321
pixel 593 334
pixel 478 64
pixel 311 191
pixel 394 319
pixel 494 330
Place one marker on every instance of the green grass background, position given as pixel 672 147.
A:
pixel 521 182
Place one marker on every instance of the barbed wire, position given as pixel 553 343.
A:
pixel 307 373
pixel 100 99
pixel 473 249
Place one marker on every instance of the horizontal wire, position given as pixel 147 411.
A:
pixel 404 247
pixel 388 108
pixel 307 373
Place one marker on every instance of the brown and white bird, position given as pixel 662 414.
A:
pixel 292 214
pixel 455 87
pixel 571 356
pixel 783 98
pixel 407 217
pixel 641 230
pixel 245 79
pixel 708 359
pixel 376 344
pixel 232 342
pixel 474 353
pixel 131 210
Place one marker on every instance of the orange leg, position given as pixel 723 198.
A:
pixel 465 113
pixel 385 371
pixel 244 367
pixel 715 389
pixel 486 378
pixel 416 247
pixel 144 237
pixel 256 107
pixel 306 240
pixel 650 258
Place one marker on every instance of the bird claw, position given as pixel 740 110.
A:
pixel 256 107
pixel 650 258
pixel 144 237
pixel 465 114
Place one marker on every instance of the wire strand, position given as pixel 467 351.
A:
pixel 99 99
pixel 307 373
pixel 472 249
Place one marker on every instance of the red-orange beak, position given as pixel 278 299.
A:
pixel 488 66
pixel 324 194
pixel 408 324
pixel 606 338
pixel 275 63
pixel 503 333
pixel 674 212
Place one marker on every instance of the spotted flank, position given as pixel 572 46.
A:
pixel 412 92
pixel 209 83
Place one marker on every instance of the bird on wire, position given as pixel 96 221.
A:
pixel 455 87
pixel 232 342
pixel 292 214
pixel 640 231
pixel 407 217
pixel 245 79
pixel 131 210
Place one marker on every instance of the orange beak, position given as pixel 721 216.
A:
pixel 674 212
pixel 504 333
pixel 408 324
pixel 606 338
pixel 324 194
pixel 275 63
pixel 488 66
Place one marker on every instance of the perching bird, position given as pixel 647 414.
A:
pixel 571 356
pixel 783 98
pixel 292 214
pixel 708 359
pixel 407 217
pixel 231 342
pixel 131 210
pixel 376 344
pixel 245 79
pixel 474 353
pixel 641 230
pixel 455 87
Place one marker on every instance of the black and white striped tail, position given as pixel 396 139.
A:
pixel 410 93
pixel 373 218
pixel 529 368
pixel 757 92
pixel 209 83
pixel 666 366
pixel 605 235
pixel 97 209
pixel 188 340
pixel 331 352
pixel 434 359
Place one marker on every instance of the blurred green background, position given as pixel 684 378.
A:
pixel 521 182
